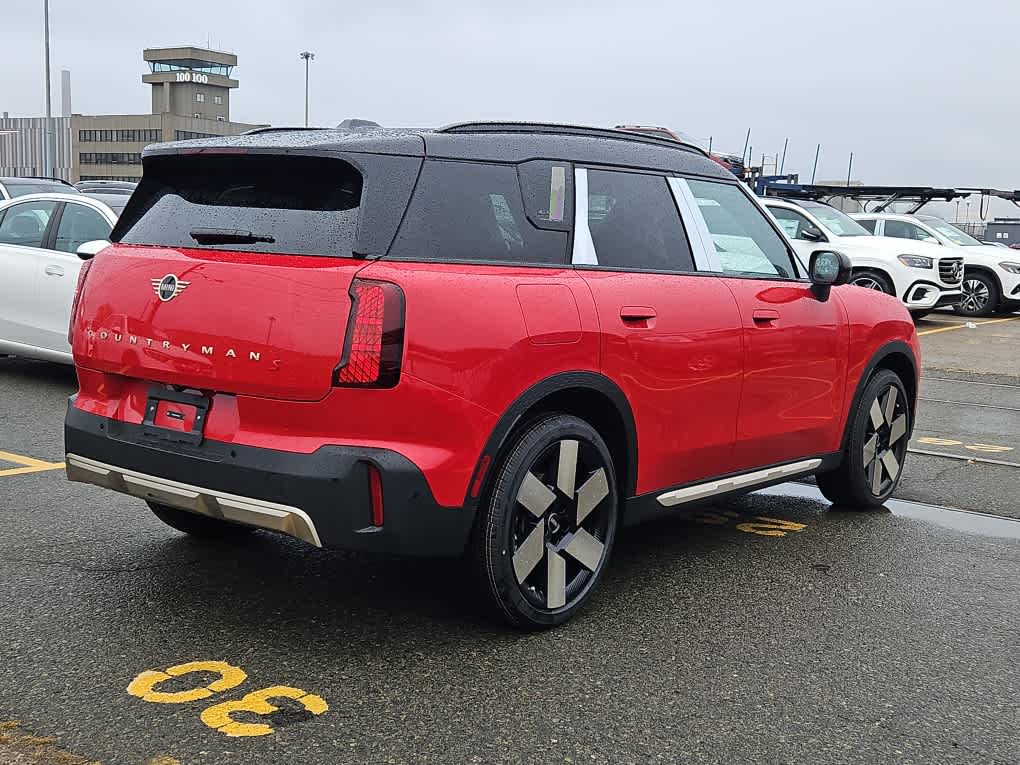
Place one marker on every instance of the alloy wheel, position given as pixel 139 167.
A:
pixel 867 283
pixel 885 443
pixel 975 295
pixel 560 523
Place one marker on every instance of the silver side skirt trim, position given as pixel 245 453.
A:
pixel 253 512
pixel 736 482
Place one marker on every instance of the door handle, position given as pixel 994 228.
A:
pixel 637 313
pixel 765 317
pixel 52 270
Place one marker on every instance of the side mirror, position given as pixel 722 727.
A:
pixel 89 250
pixel 828 268
pixel 812 234
pixel 931 240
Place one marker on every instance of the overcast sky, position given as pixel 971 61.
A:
pixel 921 92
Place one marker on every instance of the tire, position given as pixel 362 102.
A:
pixel 866 477
pixel 980 295
pixel 545 532
pixel 872 280
pixel 919 314
pixel 199 525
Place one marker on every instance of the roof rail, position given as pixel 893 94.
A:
pixel 41 178
pixel 554 128
pixel 271 129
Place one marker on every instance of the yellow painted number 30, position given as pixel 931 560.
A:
pixel 218 717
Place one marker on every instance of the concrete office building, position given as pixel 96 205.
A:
pixel 190 99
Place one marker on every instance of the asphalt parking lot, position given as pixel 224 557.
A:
pixel 765 629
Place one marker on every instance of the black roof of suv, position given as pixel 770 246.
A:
pixel 518 142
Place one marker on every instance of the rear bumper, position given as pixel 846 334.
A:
pixel 322 498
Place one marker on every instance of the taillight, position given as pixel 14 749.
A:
pixel 82 273
pixel 375 336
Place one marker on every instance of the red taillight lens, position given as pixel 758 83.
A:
pixel 375 336
pixel 375 494
pixel 84 272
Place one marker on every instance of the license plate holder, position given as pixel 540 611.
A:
pixel 159 406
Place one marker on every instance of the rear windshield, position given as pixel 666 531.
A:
pixel 254 203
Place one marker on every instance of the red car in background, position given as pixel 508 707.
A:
pixel 731 162
pixel 430 342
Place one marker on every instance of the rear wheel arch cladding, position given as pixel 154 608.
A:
pixel 586 395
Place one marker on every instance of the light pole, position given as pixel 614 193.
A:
pixel 48 144
pixel 307 56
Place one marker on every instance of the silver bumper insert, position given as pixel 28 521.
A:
pixel 215 504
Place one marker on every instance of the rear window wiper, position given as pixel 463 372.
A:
pixel 228 236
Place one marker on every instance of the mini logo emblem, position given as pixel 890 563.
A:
pixel 168 287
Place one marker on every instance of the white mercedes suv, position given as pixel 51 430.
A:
pixel 991 279
pixel 922 275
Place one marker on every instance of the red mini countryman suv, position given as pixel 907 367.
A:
pixel 497 340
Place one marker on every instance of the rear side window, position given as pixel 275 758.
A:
pixel 474 212
pixel 256 203
pixel 635 224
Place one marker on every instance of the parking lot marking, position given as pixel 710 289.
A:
pixel 987 448
pixel 142 686
pixel 770 527
pixel 963 326
pixel 761 525
pixel 219 717
pixel 27 464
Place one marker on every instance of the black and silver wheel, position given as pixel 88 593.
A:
pixel 546 528
pixel 198 525
pixel 980 295
pixel 877 445
pixel 872 280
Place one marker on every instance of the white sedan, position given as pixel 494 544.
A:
pixel 40 236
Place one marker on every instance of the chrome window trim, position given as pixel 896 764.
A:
pixel 700 238
pixel 583 252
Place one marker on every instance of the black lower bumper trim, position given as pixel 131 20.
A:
pixel 330 485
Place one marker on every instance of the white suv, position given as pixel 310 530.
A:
pixel 991 274
pixel 922 275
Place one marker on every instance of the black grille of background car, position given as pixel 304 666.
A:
pixel 951 270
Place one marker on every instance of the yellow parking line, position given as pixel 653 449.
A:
pixel 963 326
pixel 27 464
pixel 24 470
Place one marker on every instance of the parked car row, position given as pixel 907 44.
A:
pixel 922 275
pixel 991 279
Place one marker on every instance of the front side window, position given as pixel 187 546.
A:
pixel 25 224
pixel 471 211
pixel 792 222
pixel 80 224
pixel 634 223
pixel 745 242
pixel 869 224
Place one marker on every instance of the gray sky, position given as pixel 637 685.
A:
pixel 922 92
